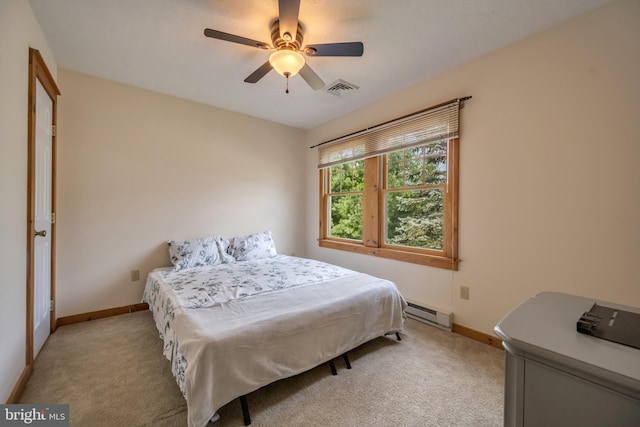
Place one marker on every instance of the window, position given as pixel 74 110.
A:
pixel 415 186
pixel 392 190
pixel 346 185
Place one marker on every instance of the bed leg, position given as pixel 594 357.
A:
pixel 346 361
pixel 333 368
pixel 245 410
pixel 398 336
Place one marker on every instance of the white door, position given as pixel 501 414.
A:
pixel 42 224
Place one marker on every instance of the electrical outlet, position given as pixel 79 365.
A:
pixel 464 292
pixel 135 275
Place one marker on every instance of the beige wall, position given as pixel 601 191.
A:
pixel 19 31
pixel 137 168
pixel 550 175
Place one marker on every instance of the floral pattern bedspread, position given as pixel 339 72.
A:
pixel 211 285
pixel 169 292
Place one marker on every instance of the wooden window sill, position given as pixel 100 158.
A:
pixel 395 254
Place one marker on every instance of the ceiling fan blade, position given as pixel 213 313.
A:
pixel 215 34
pixel 259 73
pixel 311 77
pixel 335 49
pixel 289 11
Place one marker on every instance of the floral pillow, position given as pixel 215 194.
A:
pixel 253 246
pixel 198 252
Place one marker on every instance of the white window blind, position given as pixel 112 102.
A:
pixel 426 126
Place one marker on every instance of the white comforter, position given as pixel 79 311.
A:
pixel 226 349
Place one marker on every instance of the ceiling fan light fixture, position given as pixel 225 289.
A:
pixel 286 62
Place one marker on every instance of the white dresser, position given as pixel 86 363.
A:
pixel 556 376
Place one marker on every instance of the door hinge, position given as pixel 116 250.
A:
pixel 53 130
pixel 53 217
pixel 51 305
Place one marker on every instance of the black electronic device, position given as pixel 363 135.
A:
pixel 611 324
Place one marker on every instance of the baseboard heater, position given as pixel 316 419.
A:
pixel 431 316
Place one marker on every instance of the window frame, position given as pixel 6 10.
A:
pixel 373 217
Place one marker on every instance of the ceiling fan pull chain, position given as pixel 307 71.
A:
pixel 287 76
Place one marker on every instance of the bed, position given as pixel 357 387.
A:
pixel 235 326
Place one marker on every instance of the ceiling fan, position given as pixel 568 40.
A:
pixel 287 58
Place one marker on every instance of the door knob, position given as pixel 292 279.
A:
pixel 41 233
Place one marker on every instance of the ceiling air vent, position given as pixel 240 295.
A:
pixel 340 88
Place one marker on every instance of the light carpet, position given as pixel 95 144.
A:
pixel 112 373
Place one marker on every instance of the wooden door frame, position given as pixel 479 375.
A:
pixel 38 71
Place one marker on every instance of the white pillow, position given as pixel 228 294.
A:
pixel 253 246
pixel 223 249
pixel 198 252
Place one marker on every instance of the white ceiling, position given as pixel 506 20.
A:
pixel 159 45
